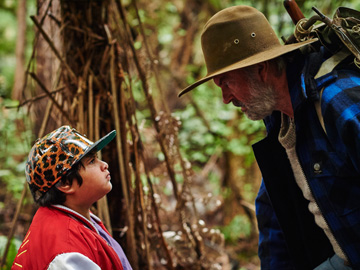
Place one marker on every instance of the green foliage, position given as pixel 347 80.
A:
pixel 8 35
pixel 229 129
pixel 8 38
pixel 249 194
pixel 13 248
pixel 7 66
pixel 14 147
pixel 7 31
pixel 239 227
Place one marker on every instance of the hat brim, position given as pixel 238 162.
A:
pixel 100 144
pixel 254 59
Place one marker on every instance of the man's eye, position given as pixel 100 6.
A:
pixel 224 83
pixel 221 81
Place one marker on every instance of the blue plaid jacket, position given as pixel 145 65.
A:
pixel 289 237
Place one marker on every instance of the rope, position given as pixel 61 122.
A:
pixel 357 62
pixel 300 33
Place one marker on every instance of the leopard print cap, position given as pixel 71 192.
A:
pixel 52 156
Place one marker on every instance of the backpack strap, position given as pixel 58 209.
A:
pixel 325 68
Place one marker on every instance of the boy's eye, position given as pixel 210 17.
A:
pixel 92 160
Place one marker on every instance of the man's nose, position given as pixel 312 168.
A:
pixel 226 95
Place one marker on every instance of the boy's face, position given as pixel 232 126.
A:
pixel 96 180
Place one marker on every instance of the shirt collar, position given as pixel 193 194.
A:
pixel 296 81
pixel 78 216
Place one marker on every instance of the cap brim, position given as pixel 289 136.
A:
pixel 254 59
pixel 100 144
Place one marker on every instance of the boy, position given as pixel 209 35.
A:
pixel 65 178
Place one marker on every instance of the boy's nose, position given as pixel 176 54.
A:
pixel 104 165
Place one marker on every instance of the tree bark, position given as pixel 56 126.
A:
pixel 46 118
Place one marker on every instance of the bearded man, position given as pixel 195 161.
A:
pixel 308 203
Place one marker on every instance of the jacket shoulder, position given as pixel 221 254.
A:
pixel 53 232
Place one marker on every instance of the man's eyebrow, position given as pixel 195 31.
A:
pixel 218 80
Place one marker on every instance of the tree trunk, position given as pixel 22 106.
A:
pixel 45 117
pixel 20 51
pixel 94 101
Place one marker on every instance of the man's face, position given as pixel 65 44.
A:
pixel 245 89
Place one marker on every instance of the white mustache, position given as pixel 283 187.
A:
pixel 237 103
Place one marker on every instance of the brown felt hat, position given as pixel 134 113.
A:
pixel 237 37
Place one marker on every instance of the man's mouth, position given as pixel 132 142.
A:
pixel 237 103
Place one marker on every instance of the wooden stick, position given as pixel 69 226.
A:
pixel 130 112
pixel 13 224
pixel 52 46
pixel 293 10
pixel 81 120
pixel 129 212
pixel 151 59
pixel 102 203
pixel 118 128
pixel 136 138
pixel 33 75
pixel 140 197
pixel 41 96
pixel 46 117
pixel 35 42
pixel 91 108
pixel 151 105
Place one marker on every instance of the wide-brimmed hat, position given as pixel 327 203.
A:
pixel 237 37
pixel 53 155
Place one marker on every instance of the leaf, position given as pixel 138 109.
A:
pixel 13 249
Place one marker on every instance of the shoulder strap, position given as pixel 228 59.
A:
pixel 325 68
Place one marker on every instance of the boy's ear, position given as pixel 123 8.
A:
pixel 67 188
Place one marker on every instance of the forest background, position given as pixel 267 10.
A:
pixel 184 176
